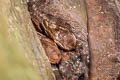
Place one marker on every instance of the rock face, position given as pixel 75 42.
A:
pixel 71 68
pixel 64 26
pixel 103 19
pixel 21 54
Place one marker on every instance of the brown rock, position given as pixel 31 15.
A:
pixel 71 66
